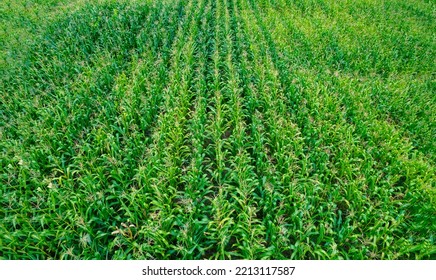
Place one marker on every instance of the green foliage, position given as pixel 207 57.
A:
pixel 230 129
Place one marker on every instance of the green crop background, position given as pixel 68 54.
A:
pixel 218 129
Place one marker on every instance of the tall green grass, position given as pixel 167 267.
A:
pixel 231 129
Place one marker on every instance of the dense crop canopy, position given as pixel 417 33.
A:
pixel 226 129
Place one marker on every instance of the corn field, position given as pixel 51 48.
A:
pixel 218 129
